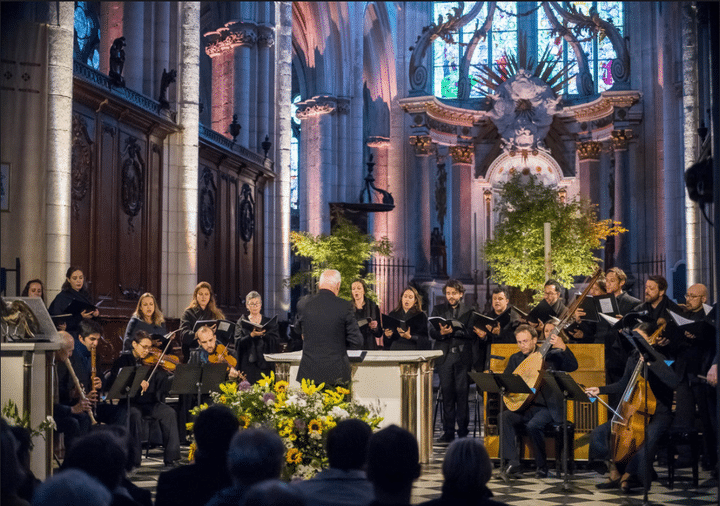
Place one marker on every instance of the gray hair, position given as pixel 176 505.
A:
pixel 72 486
pixel 330 277
pixel 252 295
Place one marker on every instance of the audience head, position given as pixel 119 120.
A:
pixel 526 338
pixel 330 280
pixel 147 309
pixel 552 291
pixel 347 444
pixel 11 473
pixel 34 288
pixel 655 288
pixel 255 455
pixel 74 279
pixel 101 455
pixel 72 487
pixel 123 437
pixel 466 468
pixel 273 493
pixel 24 445
pixel 393 462
pixel 90 332
pixel 453 291
pixel 214 428
pixel 409 299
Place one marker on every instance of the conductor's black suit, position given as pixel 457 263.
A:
pixel 329 328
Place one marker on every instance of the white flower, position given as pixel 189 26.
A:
pixel 339 413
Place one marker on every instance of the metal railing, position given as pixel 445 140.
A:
pixel 392 275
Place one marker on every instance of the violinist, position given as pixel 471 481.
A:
pixel 214 352
pixel 147 402
pixel 147 317
pixel 252 343
pixel 628 475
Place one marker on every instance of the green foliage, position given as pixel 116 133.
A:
pixel 516 253
pixel 11 414
pixel 346 250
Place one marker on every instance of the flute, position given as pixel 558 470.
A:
pixel 79 387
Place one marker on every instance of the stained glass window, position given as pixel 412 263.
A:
pixel 87 34
pixel 510 22
pixel 294 156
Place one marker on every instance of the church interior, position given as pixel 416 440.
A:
pixel 157 145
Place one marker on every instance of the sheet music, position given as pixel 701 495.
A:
pixel 605 306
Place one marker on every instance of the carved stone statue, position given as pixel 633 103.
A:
pixel 167 79
pixel 117 61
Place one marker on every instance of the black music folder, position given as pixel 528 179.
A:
pixel 224 329
pixel 250 326
pixel 388 322
pixel 436 321
pixel 487 323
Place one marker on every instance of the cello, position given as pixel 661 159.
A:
pixel 530 368
pixel 634 412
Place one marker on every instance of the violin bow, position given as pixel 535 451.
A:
pixel 168 337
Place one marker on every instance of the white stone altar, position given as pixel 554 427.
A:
pixel 399 382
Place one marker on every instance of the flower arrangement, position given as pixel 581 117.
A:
pixel 301 417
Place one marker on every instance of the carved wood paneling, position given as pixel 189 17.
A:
pixel 82 164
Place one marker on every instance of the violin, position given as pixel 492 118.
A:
pixel 634 412
pixel 168 362
pixel 221 356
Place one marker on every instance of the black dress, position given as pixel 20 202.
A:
pixel 136 324
pixel 249 350
pixel 419 339
pixel 61 302
pixel 370 311
pixel 191 316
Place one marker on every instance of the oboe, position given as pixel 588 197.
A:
pixel 79 387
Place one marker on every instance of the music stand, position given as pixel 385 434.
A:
pixel 562 381
pixel 198 379
pixel 126 386
pixel 500 383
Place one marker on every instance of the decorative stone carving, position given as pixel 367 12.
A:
pixel 266 37
pixel 132 185
pixel 589 150
pixel 246 215
pixel 206 203
pixel 376 141
pixel 226 39
pixel 462 154
pixel 423 144
pixel 316 106
pixel 81 164
pixel 620 139
pixel 523 111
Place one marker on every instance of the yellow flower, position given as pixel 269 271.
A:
pixel 330 422
pixel 229 387
pixel 310 388
pixel 189 426
pixel 315 426
pixel 293 456
pixel 266 380
pixel 244 421
pixel 292 436
pixel 341 390
pixel 281 386
pixel 223 399
pixel 191 453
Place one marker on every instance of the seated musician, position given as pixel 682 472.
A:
pixel 212 351
pixel 70 410
pixel 601 450
pixel 147 403
pixel 545 408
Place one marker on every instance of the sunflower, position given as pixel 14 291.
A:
pixel 281 386
pixel 293 456
pixel 244 421
pixel 315 426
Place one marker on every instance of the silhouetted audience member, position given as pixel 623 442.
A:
pixel 466 469
pixel 28 485
pixel 255 455
pixel 197 483
pixel 393 464
pixel 101 455
pixel 70 488
pixel 11 474
pixel 273 493
pixel 141 496
pixel 345 482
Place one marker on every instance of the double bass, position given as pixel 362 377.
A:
pixel 530 368
pixel 634 412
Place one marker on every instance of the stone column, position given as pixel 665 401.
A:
pixel 265 42
pixel 620 140
pixel 181 204
pixel 244 38
pixel 459 198
pixel 589 169
pixel 419 191
pixel 161 48
pixel 135 33
pixel 59 143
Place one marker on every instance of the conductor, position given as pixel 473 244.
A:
pixel 329 328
